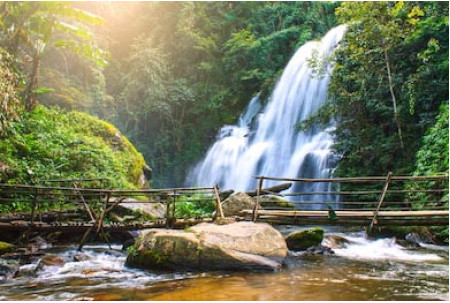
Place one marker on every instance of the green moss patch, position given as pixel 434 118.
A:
pixel 53 144
pixel 6 247
pixel 301 240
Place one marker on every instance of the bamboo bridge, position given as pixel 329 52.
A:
pixel 74 205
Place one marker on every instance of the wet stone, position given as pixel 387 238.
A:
pixel 8 269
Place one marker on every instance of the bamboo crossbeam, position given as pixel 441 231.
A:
pixel 367 192
pixel 358 179
pixel 355 213
pixel 73 180
pixel 441 221
pixel 111 191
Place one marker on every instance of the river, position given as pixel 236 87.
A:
pixel 363 270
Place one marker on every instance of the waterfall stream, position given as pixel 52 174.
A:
pixel 265 140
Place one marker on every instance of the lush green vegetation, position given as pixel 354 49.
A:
pixel 50 144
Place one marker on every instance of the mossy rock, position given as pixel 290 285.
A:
pixel 274 201
pixel 235 246
pixel 51 143
pixel 303 239
pixel 6 247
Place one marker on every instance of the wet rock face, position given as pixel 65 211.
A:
pixel 8 269
pixel 335 241
pixel 236 203
pixel 236 246
pixel 49 260
pixel 303 239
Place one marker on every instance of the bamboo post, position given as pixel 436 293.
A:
pixel 107 210
pixel 103 213
pixel 258 194
pixel 219 209
pixel 34 206
pixel 174 202
pixel 167 213
pixel 86 206
pixel 383 195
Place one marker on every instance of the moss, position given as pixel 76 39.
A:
pixel 301 240
pixel 6 247
pixel 52 144
pixel 272 201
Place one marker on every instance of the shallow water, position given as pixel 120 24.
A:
pixel 363 270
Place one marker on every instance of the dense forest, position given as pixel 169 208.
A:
pixel 168 75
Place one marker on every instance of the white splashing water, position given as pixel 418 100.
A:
pixel 385 249
pixel 276 147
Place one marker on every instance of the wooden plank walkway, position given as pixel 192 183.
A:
pixel 353 218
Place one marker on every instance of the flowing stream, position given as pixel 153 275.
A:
pixel 361 270
pixel 265 141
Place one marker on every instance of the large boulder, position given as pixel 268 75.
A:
pixel 303 239
pixel 234 204
pixel 236 246
pixel 133 207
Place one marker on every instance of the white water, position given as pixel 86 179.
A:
pixel 385 249
pixel 269 144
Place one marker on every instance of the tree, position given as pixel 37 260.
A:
pixel 28 29
pixel 380 87
pixel 10 106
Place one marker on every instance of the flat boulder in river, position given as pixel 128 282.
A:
pixel 236 246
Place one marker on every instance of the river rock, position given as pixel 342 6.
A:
pixel 424 236
pixel 6 247
pixel 303 239
pixel 49 260
pixel 335 241
pixel 236 246
pixel 81 257
pixel 319 250
pixel 8 269
pixel 234 204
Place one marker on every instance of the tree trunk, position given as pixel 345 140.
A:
pixel 394 99
pixel 29 94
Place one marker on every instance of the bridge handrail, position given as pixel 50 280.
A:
pixel 356 179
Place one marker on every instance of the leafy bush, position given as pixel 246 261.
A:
pixel 433 159
pixel 51 144
pixel 196 206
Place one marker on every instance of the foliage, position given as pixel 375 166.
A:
pixel 433 159
pixel 196 206
pixel 367 134
pixel 28 29
pixel 50 144
pixel 10 105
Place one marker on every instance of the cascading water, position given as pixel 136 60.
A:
pixel 269 144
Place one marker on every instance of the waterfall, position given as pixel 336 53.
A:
pixel 266 141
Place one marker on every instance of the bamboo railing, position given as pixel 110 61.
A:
pixel 395 202
pixel 73 207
